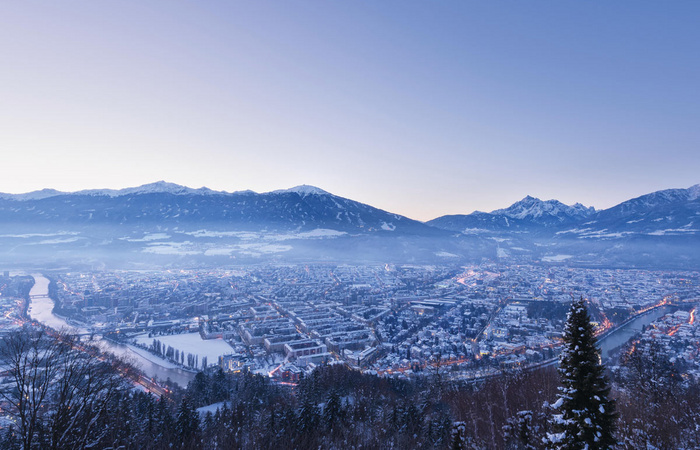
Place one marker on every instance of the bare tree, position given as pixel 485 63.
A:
pixel 81 394
pixel 31 357
pixel 56 389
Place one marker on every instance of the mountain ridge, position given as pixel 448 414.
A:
pixel 167 224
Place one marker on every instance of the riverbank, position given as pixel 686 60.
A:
pixel 41 309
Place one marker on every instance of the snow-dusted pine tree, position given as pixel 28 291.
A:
pixel 584 415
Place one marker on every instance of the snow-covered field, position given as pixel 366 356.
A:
pixel 248 243
pixel 556 258
pixel 148 237
pixel 212 408
pixel 191 343
pixel 318 233
pixel 151 357
pixel 171 248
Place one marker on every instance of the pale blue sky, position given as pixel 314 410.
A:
pixel 422 108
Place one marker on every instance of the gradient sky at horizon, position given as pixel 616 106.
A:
pixel 420 108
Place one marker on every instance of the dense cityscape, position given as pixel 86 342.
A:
pixel 391 320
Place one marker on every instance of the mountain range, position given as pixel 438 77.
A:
pixel 164 224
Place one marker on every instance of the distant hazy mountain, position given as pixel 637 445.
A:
pixel 658 229
pixel 527 214
pixel 164 224
pixel 166 221
pixel 545 212
pixel 167 204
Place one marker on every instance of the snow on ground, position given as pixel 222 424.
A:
pixel 446 255
pixel 556 258
pixel 672 231
pixel 191 343
pixel 171 248
pixel 212 408
pixel 152 358
pixel 318 233
pixel 243 235
pixel 388 226
pixel 31 235
pixel 475 230
pixel 574 230
pixel 148 237
pixel 220 251
pixel 251 249
pixel 57 241
pixel 602 234
pixel 501 252
pixel 259 248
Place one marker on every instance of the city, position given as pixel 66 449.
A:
pixel 392 320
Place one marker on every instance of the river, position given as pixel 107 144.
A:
pixel 41 310
pixel 622 335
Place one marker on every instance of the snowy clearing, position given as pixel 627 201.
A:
pixel 171 248
pixel 446 255
pixel 151 357
pixel 388 226
pixel 556 258
pixel 148 237
pixel 191 343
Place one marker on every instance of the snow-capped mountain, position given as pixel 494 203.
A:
pixel 168 204
pixel 159 187
pixel 166 221
pixel 545 212
pixel 303 190
pixel 660 229
pixel 168 224
pixel 528 214
pixel 667 212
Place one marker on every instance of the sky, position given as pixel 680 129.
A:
pixel 421 108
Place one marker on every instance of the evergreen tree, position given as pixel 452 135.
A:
pixel 188 428
pixel 307 423
pixel 585 416
pixel 332 411
pixel 518 432
pixel 458 431
pixel 164 423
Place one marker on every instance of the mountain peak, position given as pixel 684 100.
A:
pixel 530 208
pixel 159 187
pixel 34 195
pixel 303 190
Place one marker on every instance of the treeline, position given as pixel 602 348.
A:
pixel 333 408
pixel 337 407
pixel 175 355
